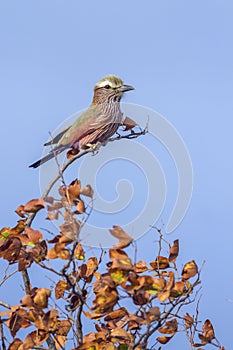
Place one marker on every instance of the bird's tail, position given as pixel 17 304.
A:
pixel 49 156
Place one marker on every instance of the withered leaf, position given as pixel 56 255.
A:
pixel 10 249
pixel 116 314
pixel 35 338
pixel 140 266
pixel 161 262
pixel 34 205
pixel 49 199
pixel 163 339
pixel 170 327
pixel 64 327
pixel 122 236
pixel 80 207
pixel 119 335
pixel 177 290
pixel 15 344
pixel 190 270
pixel 207 331
pixel 18 228
pixel 174 251
pixel 34 235
pixel 4 233
pixel 189 320
pixel 79 252
pixel 60 289
pixel 20 211
pixel 153 314
pixel 87 191
pixel 74 190
pixel 41 297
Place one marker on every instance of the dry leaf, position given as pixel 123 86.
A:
pixel 122 236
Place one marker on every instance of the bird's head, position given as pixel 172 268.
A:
pixel 110 88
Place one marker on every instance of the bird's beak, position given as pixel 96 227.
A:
pixel 125 88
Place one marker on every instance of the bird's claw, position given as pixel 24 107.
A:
pixel 94 147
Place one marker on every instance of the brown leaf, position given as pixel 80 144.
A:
pixel 80 207
pixel 174 251
pixel 39 251
pixel 160 263
pixel 41 297
pixel 35 338
pixel 122 236
pixel 49 199
pixel 177 290
pixel 140 266
pixel 60 289
pixel 170 327
pixel 70 229
pixel 189 320
pixel 18 228
pixel 116 314
pixel 10 249
pixel 34 235
pixel 153 314
pixel 74 190
pixel 208 331
pixel 119 335
pixel 163 339
pixel 34 205
pixel 64 327
pixel 88 269
pixel 15 344
pixel 79 252
pixel 87 191
pixel 190 270
pixel 20 211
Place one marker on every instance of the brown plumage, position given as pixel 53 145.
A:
pixel 97 124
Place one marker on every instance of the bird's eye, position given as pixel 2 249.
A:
pixel 107 86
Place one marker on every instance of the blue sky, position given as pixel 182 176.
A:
pixel 179 57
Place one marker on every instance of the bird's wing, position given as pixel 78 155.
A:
pixel 56 138
pixel 83 126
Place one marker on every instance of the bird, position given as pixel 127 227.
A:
pixel 96 124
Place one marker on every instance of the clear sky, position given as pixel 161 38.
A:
pixel 178 55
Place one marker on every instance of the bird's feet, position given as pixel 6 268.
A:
pixel 94 147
